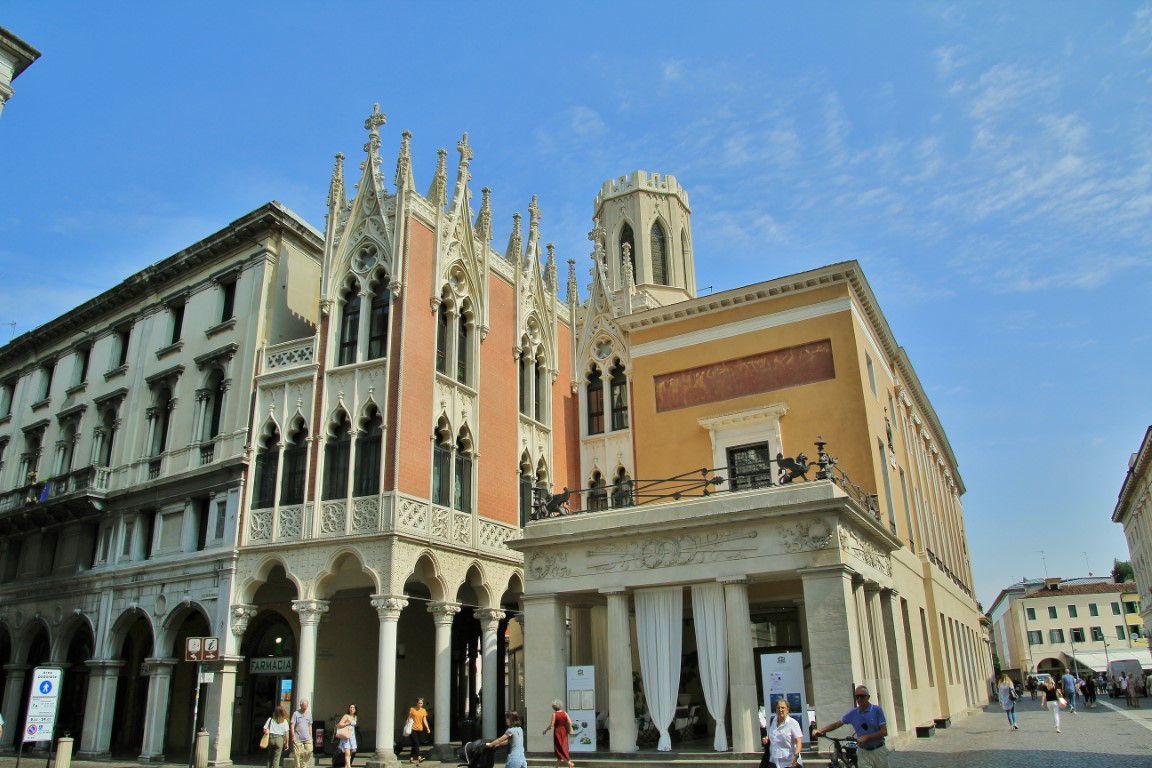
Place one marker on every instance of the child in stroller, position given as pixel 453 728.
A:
pixel 476 755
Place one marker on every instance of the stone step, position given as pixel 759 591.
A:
pixel 649 759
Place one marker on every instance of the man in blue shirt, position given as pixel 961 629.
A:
pixel 871 729
pixel 1069 683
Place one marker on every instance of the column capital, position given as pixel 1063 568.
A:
pixel 102 667
pixel 608 591
pixel 388 607
pixel 872 587
pixel 739 580
pixel 10 668
pixel 836 569
pixel 159 667
pixel 443 613
pixel 489 618
pixel 310 611
pixel 241 613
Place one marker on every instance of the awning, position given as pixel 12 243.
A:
pixel 1097 661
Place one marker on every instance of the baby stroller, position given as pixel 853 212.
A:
pixel 479 756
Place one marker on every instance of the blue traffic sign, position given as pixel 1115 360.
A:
pixel 46 687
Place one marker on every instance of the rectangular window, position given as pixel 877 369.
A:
pixel 1031 613
pixel 1119 631
pixel 871 372
pixel 83 355
pixel 525 499
pixel 1055 636
pixel 7 395
pixel 177 311
pixel 907 511
pixel 909 646
pixel 749 466
pixel 927 647
pixel 1093 610
pixel 1035 637
pixel 1134 631
pixel 292 479
pixel 1077 634
pixel 120 347
pixel 595 406
pixel 228 303
pixel 1097 634
pixel 1072 612
pixel 441 475
pixel 1131 606
pixel 1051 611
pixel 1115 609
pixel 47 372
pixel 887 490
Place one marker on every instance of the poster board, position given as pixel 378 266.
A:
pixel 582 708
pixel 782 675
pixel 43 701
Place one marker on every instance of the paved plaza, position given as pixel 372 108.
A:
pixel 1110 735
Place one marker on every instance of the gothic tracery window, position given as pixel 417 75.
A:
pixel 337 452
pixel 619 397
pixel 659 254
pixel 295 462
pixel 264 474
pixel 349 329
pixel 369 443
pixel 595 392
pixel 379 321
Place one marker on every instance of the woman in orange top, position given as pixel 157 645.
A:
pixel 419 717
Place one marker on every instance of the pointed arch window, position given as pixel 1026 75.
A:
pixel 540 391
pixel 441 469
pixel 337 451
pixel 622 489
pixel 378 322
pixel 295 462
pixel 659 254
pixel 264 475
pixel 368 447
pixel 524 368
pixel 463 333
pixel 619 395
pixel 597 493
pixel 595 391
pixel 627 238
pixel 349 329
pixel 525 491
pixel 462 476
pixel 442 338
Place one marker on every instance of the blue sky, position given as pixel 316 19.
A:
pixel 989 164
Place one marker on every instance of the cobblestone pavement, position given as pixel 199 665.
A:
pixel 1109 736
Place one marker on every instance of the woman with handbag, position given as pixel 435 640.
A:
pixel 1052 700
pixel 275 739
pixel 346 734
pixel 1008 697
pixel 561 726
pixel 414 728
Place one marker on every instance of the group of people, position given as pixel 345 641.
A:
pixel 295 733
pixel 1130 687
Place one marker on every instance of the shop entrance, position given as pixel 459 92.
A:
pixel 268 680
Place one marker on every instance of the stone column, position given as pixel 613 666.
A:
pixel 883 643
pixel 96 738
pixel 833 639
pixel 219 713
pixel 388 608
pixel 159 673
pixel 741 668
pixel 867 642
pixel 310 613
pixel 13 693
pixel 442 617
pixel 621 700
pixel 544 664
pixel 898 661
pixel 489 626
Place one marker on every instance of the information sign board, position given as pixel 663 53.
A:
pixel 782 675
pixel 582 708
pixel 42 704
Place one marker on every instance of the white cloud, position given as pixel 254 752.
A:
pixel 1139 35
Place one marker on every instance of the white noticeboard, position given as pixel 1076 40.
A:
pixel 42 704
pixel 783 677
pixel 582 708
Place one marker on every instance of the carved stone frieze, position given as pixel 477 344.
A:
pixel 672 551
pixel 332 517
pixel 547 565
pixel 865 550
pixel 413 514
pixel 365 514
pixel 806 535
pixel 291 523
pixel 462 528
pixel 241 615
pixel 439 526
pixel 261 527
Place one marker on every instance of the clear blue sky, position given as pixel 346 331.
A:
pixel 989 164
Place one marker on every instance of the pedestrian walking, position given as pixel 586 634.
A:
pixel 1008 697
pixel 276 729
pixel 1051 700
pixel 561 726
pixel 1068 682
pixel 346 733
pixel 415 728
pixel 514 738
pixel 1032 687
pixel 784 741
pixel 301 734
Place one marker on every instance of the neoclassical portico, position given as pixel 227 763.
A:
pixel 808 549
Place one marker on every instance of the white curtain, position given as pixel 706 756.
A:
pixel 712 648
pixel 659 613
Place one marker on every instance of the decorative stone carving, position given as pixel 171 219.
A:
pixel 462 528
pixel 489 618
pixel 413 514
pixel 332 517
pixel 365 514
pixel 388 608
pixel 670 552
pixel 310 611
pixel 545 565
pixel 806 535
pixel 866 551
pixel 241 615
pixel 261 527
pixel 290 523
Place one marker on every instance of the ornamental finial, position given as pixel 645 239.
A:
pixel 376 119
pixel 465 151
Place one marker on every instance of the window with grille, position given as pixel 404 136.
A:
pixel 749 466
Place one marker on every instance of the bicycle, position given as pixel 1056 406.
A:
pixel 843 752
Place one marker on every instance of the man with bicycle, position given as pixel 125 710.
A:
pixel 871 729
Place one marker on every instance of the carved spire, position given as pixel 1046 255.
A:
pixel 404 161
pixel 514 241
pixel 573 292
pixel 372 146
pixel 550 268
pixel 465 151
pixel 533 217
pixel 597 237
pixel 336 197
pixel 484 218
pixel 438 193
